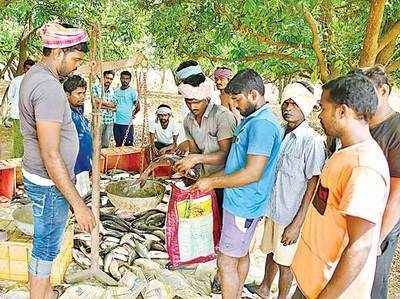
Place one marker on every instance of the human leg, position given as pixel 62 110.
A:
pixel 243 270
pixel 285 281
pixel 50 212
pixel 234 245
pixel 383 264
pixel 118 134
pixel 229 275
pixel 271 268
pixel 106 133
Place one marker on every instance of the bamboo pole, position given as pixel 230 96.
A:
pixel 94 271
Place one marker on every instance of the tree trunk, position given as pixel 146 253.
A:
pixel 370 45
pixel 23 44
pixel 22 56
pixel 386 54
pixel 8 64
pixel 322 62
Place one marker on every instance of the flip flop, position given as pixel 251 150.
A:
pixel 251 287
pixel 216 287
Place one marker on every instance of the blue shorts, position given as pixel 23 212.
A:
pixel 50 214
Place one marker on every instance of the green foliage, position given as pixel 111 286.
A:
pixel 225 32
pixel 271 36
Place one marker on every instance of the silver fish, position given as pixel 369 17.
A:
pixel 155 254
pixel 107 261
pixel 114 269
pixel 151 237
pixel 141 250
pixel 160 234
pixel 80 258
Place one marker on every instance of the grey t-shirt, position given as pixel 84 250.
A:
pixel 42 98
pixel 218 123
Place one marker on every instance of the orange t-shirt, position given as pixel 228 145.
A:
pixel 354 181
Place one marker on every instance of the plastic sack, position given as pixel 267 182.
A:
pixel 193 226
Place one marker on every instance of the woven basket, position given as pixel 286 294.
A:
pixel 134 204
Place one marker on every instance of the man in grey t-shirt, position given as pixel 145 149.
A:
pixel 51 147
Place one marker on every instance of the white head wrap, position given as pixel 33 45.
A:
pixel 202 92
pixel 164 110
pixel 189 71
pixel 301 96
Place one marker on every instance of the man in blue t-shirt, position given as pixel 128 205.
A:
pixel 75 89
pixel 248 178
pixel 127 106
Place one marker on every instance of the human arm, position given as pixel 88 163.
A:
pixel 152 144
pixel 12 92
pixel 137 108
pixel 50 104
pixel 104 104
pixel 226 124
pixel 292 231
pixel 314 160
pixel 216 158
pixel 251 173
pixel 362 203
pixel 353 258
pixel 391 215
pixel 49 141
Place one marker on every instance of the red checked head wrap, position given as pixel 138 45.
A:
pixel 55 36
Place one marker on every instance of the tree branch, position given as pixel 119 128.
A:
pixel 394 66
pixel 370 44
pixel 301 62
pixel 239 27
pixel 323 65
pixel 389 36
pixel 260 56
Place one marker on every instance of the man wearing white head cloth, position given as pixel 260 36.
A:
pixel 301 158
pixel 209 128
pixel 163 131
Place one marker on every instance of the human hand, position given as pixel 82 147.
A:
pixel 203 185
pixel 155 151
pixel 179 152
pixel 186 163
pixel 290 234
pixel 85 218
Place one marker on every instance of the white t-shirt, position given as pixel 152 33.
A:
pixel 164 135
pixel 13 96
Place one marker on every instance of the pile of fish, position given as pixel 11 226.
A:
pixel 122 241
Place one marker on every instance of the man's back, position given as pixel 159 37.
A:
pixel 42 98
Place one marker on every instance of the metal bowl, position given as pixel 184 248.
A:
pixel 127 196
pixel 23 219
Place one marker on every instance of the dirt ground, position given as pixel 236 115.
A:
pixel 176 104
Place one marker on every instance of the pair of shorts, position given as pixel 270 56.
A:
pixel 236 234
pixel 50 214
pixel 271 243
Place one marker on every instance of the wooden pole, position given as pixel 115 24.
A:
pixel 94 271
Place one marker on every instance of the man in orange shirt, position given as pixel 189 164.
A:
pixel 336 256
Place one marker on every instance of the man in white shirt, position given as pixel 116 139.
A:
pixel 163 131
pixel 13 96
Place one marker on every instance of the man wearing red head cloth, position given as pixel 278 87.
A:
pixel 51 148
pixel 222 75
